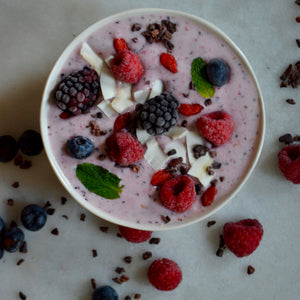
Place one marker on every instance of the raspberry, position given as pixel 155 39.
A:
pixel 126 66
pixel 208 196
pixel 190 109
pixel 77 92
pixel 134 235
pixel 178 194
pixel 123 121
pixel 120 45
pixel 243 237
pixel 164 274
pixel 124 148
pixel 216 127
pixel 289 162
pixel 169 62
pixel 160 177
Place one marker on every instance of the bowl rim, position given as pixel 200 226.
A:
pixel 51 81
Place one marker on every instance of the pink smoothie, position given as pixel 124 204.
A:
pixel 139 202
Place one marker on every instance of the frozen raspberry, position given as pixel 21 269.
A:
pixel 123 121
pixel 190 109
pixel 216 127
pixel 289 162
pixel 178 194
pixel 243 237
pixel 164 274
pixel 169 62
pixel 120 45
pixel 124 148
pixel 208 196
pixel 126 66
pixel 160 177
pixel 134 235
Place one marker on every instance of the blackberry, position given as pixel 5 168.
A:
pixel 158 114
pixel 78 91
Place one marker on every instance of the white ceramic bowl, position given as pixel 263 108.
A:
pixel 177 220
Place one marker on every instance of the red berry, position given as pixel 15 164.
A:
pixel 164 274
pixel 208 196
pixel 289 162
pixel 120 45
pixel 134 235
pixel 178 194
pixel 243 237
pixel 190 109
pixel 126 66
pixel 160 177
pixel 124 148
pixel 169 62
pixel 123 121
pixel 216 127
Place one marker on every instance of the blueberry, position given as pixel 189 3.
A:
pixel 30 143
pixel 13 239
pixel 8 148
pixel 80 147
pixel 218 72
pixel 1 252
pixel 105 293
pixel 2 226
pixel 33 217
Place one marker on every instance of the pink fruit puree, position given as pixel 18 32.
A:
pixel 139 201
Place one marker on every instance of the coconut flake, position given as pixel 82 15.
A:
pixel 91 57
pixel 155 157
pixel 122 100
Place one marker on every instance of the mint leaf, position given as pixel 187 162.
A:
pixel 199 78
pixel 99 180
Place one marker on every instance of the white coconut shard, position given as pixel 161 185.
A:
pixel 177 132
pixel 157 88
pixel 123 100
pixel 108 83
pixel 193 139
pixel 180 149
pixel 91 57
pixel 141 96
pixel 199 169
pixel 155 157
pixel 142 135
pixel 108 60
pixel 106 108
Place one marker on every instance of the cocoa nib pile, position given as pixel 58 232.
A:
pixel 291 76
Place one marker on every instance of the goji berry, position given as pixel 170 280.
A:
pixel 208 196
pixel 190 109
pixel 120 45
pixel 169 62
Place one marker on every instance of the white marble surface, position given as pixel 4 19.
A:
pixel 32 36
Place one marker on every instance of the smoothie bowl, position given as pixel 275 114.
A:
pixel 152 119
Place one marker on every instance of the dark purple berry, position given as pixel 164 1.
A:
pixel 2 226
pixel 105 293
pixel 8 148
pixel 13 239
pixel 1 252
pixel 30 142
pixel 80 147
pixel 218 72
pixel 33 217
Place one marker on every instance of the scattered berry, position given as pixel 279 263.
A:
pixel 1 252
pixel 120 45
pixel 13 238
pixel 190 109
pixel 33 217
pixel 208 196
pixel 160 177
pixel 80 147
pixel 134 235
pixel 164 274
pixel 126 66
pixel 169 62
pixel 218 72
pixel 178 194
pixel 289 162
pixel 8 148
pixel 216 127
pixel 123 121
pixel 2 226
pixel 243 237
pixel 77 92
pixel 158 114
pixel 105 292
pixel 30 143
pixel 124 148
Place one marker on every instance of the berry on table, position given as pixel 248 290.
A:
pixel 80 147
pixel 289 162
pixel 30 143
pixel 8 148
pixel 2 226
pixel 127 67
pixel 13 238
pixel 77 92
pixel 164 274
pixel 33 217
pixel 216 127
pixel 105 292
pixel 169 62
pixel 243 237
pixel 218 72
pixel 134 235
pixel 178 194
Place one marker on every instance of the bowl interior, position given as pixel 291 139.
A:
pixel 177 220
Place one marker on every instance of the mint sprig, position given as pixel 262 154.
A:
pixel 100 181
pixel 199 78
